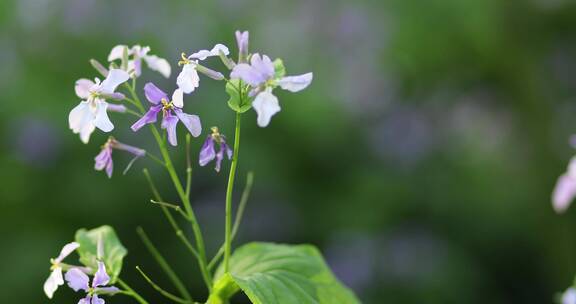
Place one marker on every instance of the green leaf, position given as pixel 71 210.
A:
pixel 239 101
pixel 279 69
pixel 113 251
pixel 280 274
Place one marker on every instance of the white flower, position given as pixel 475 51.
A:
pixel 569 296
pixel 55 279
pixel 137 54
pixel 188 79
pixel 91 112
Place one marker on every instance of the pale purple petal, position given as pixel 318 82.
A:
pixel 569 296
pixel 149 117
pixel 101 278
pixel 82 87
pixel 188 80
pixel 97 300
pixel 564 193
pixel 219 158
pixel 114 79
pixel 117 52
pixel 116 96
pixel 169 123
pixel 116 108
pixel 81 119
pixel 242 39
pixel 104 161
pixel 101 119
pixel 227 149
pixel 77 279
pixel 85 300
pixel 191 122
pixel 159 65
pixel 248 74
pixel 66 251
pixel 54 280
pixel 154 94
pixel 178 98
pixel 215 51
pixel 207 153
pixel 137 67
pixel 295 83
pixel 263 64
pixel 266 105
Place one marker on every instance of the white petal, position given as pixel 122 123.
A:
pixel 86 131
pixel 178 98
pixel 54 280
pixel 82 87
pixel 80 116
pixel 188 79
pixel 215 51
pixel 139 51
pixel 295 83
pixel 117 52
pixel 266 105
pixel 159 65
pixel 101 121
pixel 67 250
pixel 114 79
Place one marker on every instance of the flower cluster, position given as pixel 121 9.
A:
pixel 252 80
pixel 78 279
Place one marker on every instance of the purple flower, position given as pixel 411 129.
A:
pixel 188 80
pixel 55 279
pixel 91 112
pixel 208 151
pixel 78 280
pixel 171 110
pixel 565 189
pixel 103 161
pixel 261 76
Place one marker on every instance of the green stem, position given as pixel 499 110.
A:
pixel 162 291
pixel 181 193
pixel 238 218
pixel 229 190
pixel 186 200
pixel 163 264
pixel 170 218
pixel 130 292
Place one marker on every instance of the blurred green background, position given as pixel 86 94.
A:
pixel 421 159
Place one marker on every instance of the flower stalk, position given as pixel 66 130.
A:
pixel 229 190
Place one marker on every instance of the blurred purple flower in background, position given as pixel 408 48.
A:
pixel 172 113
pixel 208 151
pixel 36 142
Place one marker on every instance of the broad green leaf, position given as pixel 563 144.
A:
pixel 280 274
pixel 279 69
pixel 238 102
pixel 113 251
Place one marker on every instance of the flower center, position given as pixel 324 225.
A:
pixel 216 134
pixel 167 105
pixel 184 60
